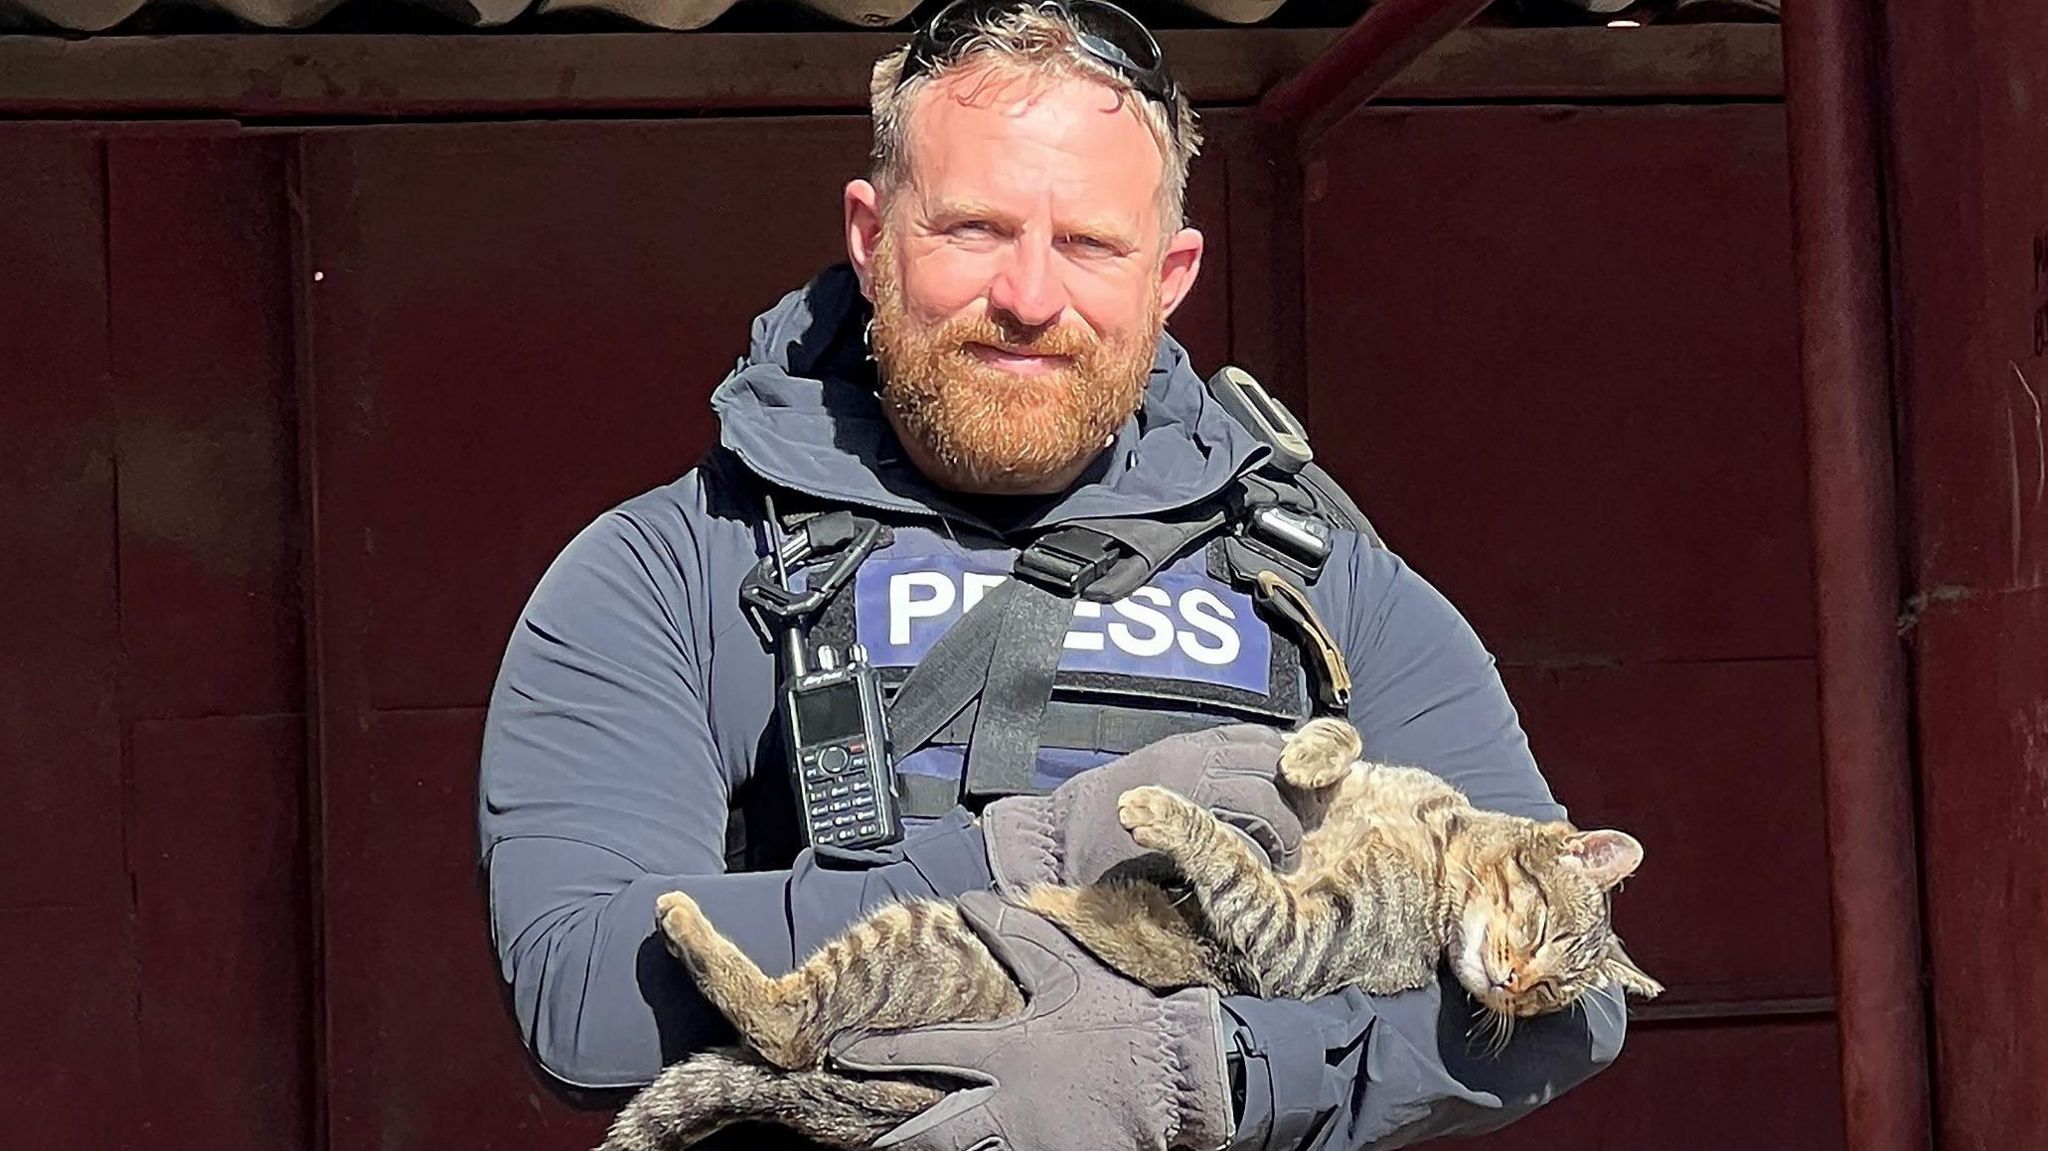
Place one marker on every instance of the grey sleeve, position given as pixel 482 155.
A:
pixel 1360 1071
pixel 601 787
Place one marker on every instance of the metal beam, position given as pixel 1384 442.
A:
pixel 1386 38
pixel 1832 113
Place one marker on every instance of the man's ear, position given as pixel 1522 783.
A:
pixel 1178 267
pixel 863 231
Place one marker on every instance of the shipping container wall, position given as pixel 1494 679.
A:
pixel 295 421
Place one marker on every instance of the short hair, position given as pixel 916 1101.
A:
pixel 1028 40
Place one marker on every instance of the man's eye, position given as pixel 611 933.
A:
pixel 1091 243
pixel 974 228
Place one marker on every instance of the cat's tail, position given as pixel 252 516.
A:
pixel 696 1098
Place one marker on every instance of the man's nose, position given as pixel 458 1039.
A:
pixel 1028 288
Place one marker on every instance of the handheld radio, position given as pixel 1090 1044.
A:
pixel 834 724
pixel 833 721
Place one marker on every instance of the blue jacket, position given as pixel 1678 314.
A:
pixel 626 754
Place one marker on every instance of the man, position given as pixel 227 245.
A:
pixel 988 369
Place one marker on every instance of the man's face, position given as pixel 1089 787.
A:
pixel 1020 277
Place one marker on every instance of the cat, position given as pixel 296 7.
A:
pixel 1398 875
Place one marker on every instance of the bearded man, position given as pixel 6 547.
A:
pixel 985 393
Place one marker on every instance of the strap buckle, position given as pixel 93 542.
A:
pixel 1266 417
pixel 1290 536
pixel 764 597
pixel 1066 560
pixel 1281 524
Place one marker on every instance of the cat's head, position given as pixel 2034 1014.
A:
pixel 1534 931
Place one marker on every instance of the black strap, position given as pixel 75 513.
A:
pixel 1003 749
pixel 950 675
pixel 926 796
pixel 1338 503
pixel 1099 727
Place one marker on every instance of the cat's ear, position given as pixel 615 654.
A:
pixel 1608 857
pixel 1619 968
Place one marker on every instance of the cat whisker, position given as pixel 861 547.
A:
pixel 1593 1001
pixel 1504 1033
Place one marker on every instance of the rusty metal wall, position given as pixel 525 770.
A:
pixel 309 413
pixel 1969 196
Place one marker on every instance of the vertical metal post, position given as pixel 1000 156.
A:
pixel 1835 124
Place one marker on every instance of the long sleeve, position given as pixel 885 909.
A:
pixel 1359 1071
pixel 602 785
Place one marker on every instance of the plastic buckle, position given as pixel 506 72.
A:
pixel 1067 560
pixel 1301 539
pixel 762 596
pixel 1268 418
pixel 1277 522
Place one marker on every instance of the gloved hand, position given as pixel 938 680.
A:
pixel 1072 836
pixel 1094 1061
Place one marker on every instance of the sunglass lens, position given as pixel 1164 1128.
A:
pixel 1112 24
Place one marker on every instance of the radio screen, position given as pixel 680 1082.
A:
pixel 831 712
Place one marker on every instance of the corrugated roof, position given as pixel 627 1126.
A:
pixel 93 16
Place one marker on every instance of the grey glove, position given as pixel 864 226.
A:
pixel 1095 1060
pixel 1072 836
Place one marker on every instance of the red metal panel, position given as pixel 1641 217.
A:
pixel 423 1055
pixel 1972 299
pixel 1202 325
pixel 1552 351
pixel 66 940
pixel 209 485
pixel 1558 343
pixel 223 931
pixel 1983 726
pixel 1970 266
pixel 68 1011
pixel 1699 1087
pixel 518 326
pixel 60 791
pixel 1717 768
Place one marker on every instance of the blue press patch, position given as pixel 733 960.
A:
pixel 1177 627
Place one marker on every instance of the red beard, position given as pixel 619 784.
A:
pixel 990 430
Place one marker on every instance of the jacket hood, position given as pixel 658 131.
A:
pixel 800 411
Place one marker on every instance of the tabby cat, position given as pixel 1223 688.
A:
pixel 1398 873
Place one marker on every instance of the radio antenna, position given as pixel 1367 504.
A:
pixel 792 636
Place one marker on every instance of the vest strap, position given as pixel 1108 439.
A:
pixel 1105 728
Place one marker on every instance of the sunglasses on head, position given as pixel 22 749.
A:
pixel 1106 32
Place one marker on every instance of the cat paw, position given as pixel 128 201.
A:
pixel 1152 815
pixel 682 923
pixel 1321 754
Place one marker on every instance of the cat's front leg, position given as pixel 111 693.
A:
pixel 1320 754
pixel 1254 917
pixel 1159 820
